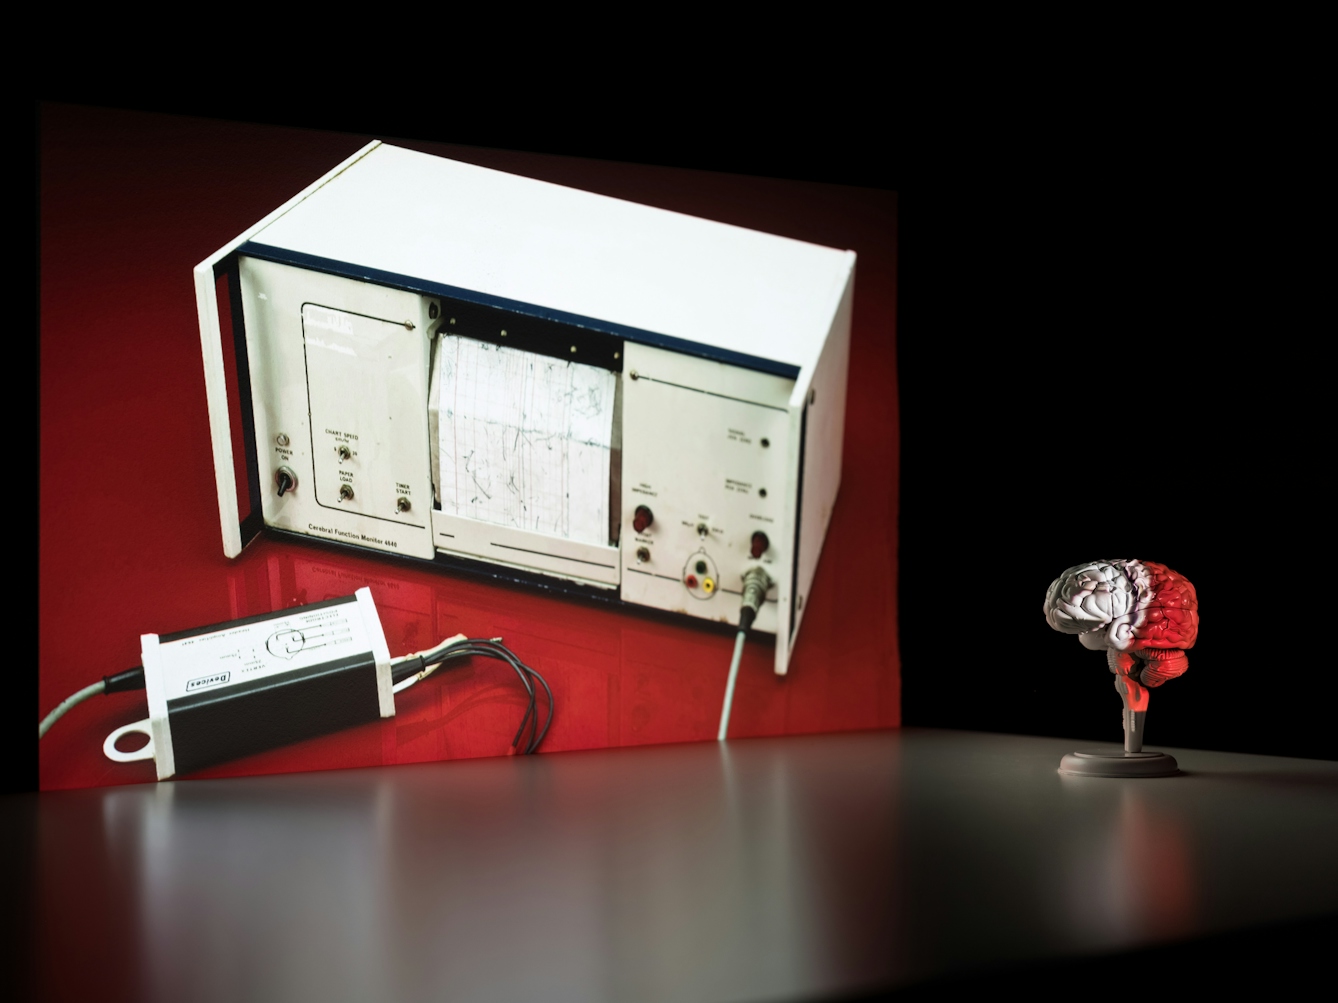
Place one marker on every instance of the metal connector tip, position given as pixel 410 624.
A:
pixel 756 582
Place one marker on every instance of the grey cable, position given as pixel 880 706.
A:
pixel 88 691
pixel 755 585
pixel 729 686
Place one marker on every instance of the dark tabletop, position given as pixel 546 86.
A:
pixel 787 868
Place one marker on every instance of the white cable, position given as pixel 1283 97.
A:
pixel 429 652
pixel 729 686
pixel 404 684
pixel 433 652
pixel 755 585
pixel 88 691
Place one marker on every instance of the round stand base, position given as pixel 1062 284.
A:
pixel 1118 763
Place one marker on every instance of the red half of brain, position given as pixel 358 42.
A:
pixel 1172 617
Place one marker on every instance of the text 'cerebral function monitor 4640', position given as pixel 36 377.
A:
pixel 454 364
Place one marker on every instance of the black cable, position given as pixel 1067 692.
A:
pixel 531 710
pixel 124 682
pixel 492 649
pixel 495 650
pixel 405 669
pixel 500 651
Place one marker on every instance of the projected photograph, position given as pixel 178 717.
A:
pixel 428 452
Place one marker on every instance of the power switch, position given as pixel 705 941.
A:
pixel 760 545
pixel 642 519
pixel 285 480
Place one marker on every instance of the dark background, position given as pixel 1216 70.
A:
pixel 1098 358
pixel 1106 367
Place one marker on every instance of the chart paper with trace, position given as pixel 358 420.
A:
pixel 523 440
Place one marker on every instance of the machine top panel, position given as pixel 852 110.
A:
pixel 730 290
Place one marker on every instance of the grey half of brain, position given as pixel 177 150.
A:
pixel 1091 596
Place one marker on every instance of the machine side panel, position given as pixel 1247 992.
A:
pixel 216 394
pixel 785 610
pixel 824 435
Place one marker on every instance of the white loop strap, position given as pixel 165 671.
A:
pixel 110 750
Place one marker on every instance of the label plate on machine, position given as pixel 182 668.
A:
pixel 367 390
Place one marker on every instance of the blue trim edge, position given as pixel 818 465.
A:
pixel 283 256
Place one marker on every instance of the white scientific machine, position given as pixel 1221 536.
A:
pixel 458 365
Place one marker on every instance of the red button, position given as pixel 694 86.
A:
pixel 760 545
pixel 642 519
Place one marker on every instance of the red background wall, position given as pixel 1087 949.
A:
pixel 130 542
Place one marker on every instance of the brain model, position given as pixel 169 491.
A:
pixel 1144 615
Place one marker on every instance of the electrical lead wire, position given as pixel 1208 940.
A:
pixel 410 669
pixel 729 686
pixel 92 690
pixel 121 682
pixel 755 585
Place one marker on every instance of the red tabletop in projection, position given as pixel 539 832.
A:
pixel 130 539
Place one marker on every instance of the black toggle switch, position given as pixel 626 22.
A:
pixel 285 480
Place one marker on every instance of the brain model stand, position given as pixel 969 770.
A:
pixel 1145 617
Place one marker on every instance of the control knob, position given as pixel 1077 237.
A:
pixel 642 519
pixel 760 543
